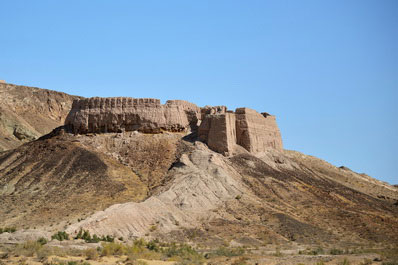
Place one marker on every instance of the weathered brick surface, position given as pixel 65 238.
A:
pixel 253 131
pixel 129 114
pixel 220 129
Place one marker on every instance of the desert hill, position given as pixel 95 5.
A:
pixel 26 113
pixel 137 168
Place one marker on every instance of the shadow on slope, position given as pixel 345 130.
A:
pixel 55 180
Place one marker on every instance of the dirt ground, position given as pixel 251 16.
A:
pixel 357 259
pixel 80 260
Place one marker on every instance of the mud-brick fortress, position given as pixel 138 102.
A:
pixel 222 130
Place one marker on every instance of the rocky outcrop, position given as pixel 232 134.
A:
pixel 99 115
pixel 223 131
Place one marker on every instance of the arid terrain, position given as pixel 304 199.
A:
pixel 176 184
pixel 26 113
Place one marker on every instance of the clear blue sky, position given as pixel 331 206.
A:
pixel 327 69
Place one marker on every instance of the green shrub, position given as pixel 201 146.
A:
pixel 8 230
pixel 107 238
pixel 317 251
pixel 153 245
pixel 42 241
pixel 85 235
pixel 60 236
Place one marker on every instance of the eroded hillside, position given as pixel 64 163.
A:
pixel 136 168
pixel 26 113
pixel 56 180
pixel 275 197
pixel 160 185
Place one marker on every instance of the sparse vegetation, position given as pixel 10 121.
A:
pixel 185 252
pixel 60 236
pixel 140 249
pixel 227 252
pixel 241 261
pixel 116 249
pixel 278 253
pixel 28 249
pixel 7 230
pixel 366 262
pixel 317 251
pixel 58 262
pixel 91 254
pixel 344 262
pixel 336 251
pixel 42 241
pixel 85 235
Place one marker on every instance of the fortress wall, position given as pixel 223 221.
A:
pixel 221 129
pixel 218 132
pixel 255 132
pixel 246 127
pixel 212 110
pixel 98 115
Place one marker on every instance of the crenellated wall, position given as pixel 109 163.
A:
pixel 220 129
pixel 131 114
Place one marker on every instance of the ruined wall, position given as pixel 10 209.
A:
pixel 218 132
pixel 255 132
pixel 220 129
pixel 129 114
